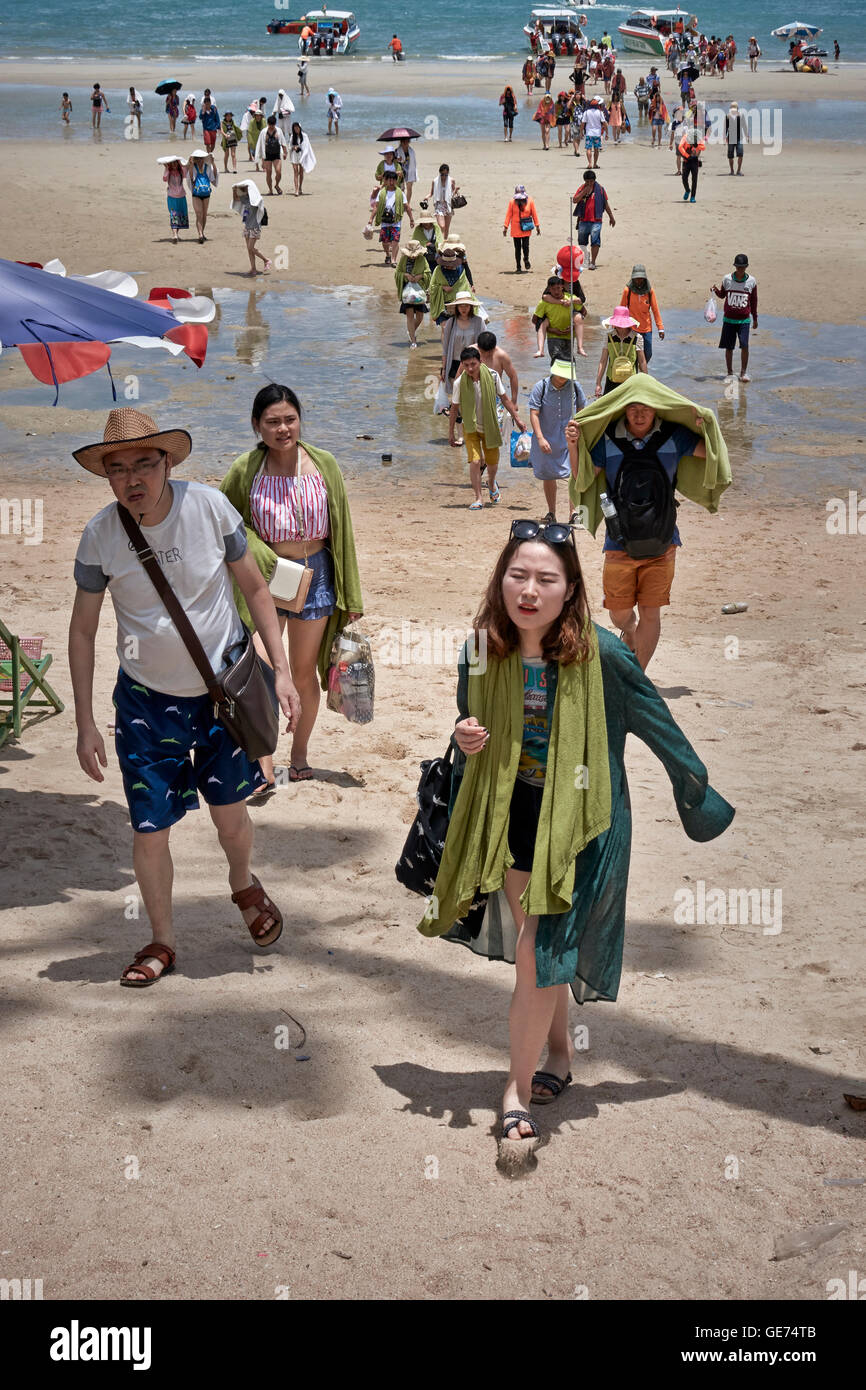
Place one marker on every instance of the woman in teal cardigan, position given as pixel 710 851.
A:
pixel 293 501
pixel 540 817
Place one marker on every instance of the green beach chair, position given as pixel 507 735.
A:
pixel 22 674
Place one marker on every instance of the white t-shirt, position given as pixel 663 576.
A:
pixel 201 533
pixel 497 386
pixel 592 120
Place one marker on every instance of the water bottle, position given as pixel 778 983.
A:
pixel 614 530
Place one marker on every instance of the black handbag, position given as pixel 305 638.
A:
pixel 244 695
pixel 419 862
pixel 458 201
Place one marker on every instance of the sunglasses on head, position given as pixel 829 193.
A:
pixel 555 532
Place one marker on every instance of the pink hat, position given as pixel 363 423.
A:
pixel 620 318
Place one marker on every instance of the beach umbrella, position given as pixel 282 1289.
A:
pixel 64 325
pixel 165 87
pixel 399 132
pixel 796 30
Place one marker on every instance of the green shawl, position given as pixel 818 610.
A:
pixel 254 129
pixel 577 785
pixel 420 267
pixel 399 206
pixel 700 480
pixel 441 293
pixel 237 484
pixel 492 437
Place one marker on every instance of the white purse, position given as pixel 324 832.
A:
pixel 290 582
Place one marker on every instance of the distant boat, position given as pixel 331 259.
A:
pixel 560 25
pixel 321 33
pixel 647 31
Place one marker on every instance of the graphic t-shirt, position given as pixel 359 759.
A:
pixel 741 299
pixel 533 753
pixel 200 535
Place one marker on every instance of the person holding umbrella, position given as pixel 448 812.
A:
pixel 405 156
pixel 173 175
pixel 169 90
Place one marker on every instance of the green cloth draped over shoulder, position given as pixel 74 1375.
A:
pixel 441 293
pixel 490 432
pixel 399 206
pixel 237 485
pixel 420 268
pixel 254 129
pixel 701 480
pixel 476 854
pixel 233 130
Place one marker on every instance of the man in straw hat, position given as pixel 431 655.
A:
pixel 169 745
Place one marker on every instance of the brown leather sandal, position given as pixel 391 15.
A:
pixel 255 896
pixel 155 951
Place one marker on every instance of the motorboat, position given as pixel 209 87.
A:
pixel 647 31
pixel 561 27
pixel 320 33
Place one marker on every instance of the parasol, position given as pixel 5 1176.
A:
pixel 796 30
pixel 63 325
pixel 165 87
pixel 399 132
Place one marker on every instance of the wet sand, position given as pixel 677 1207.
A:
pixel 368 1169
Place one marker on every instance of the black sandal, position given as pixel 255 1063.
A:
pixel 515 1117
pixel 553 1083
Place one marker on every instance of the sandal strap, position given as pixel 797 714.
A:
pixel 556 1084
pixel 254 896
pixel 156 951
pixel 146 970
pixel 515 1116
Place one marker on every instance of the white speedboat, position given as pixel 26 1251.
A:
pixel 647 31
pixel 321 33
pixel 560 25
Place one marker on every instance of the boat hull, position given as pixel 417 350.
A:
pixel 642 41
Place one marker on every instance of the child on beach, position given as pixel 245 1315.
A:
pixel 247 201
pixel 740 293
pixel 189 116
pixel 540 819
pixel 65 108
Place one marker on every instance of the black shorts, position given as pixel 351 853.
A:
pixel 732 333
pixel 523 822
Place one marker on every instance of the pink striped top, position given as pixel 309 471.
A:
pixel 275 502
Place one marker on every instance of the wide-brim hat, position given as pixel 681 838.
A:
pixel 620 318
pixel 559 367
pixel 462 297
pixel 123 430
pixel 412 249
pixel 172 159
pixel 425 220
pixel 199 154
pixel 389 149
pixel 449 253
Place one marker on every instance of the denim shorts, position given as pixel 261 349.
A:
pixel 322 598
pixel 589 232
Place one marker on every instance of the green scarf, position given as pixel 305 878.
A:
pixel 399 207
pixel 491 435
pixel 237 485
pixel 700 480
pixel 575 806
pixel 420 267
pixel 441 293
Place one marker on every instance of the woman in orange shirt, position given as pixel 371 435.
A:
pixel 520 219
pixel 639 298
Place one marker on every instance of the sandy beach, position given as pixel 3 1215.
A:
pixel 707 1115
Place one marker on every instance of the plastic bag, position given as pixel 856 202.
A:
pixel 413 294
pixel 351 676
pixel 369 232
pixel 521 443
pixel 442 403
pixel 710 310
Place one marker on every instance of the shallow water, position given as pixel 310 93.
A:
pixel 463 117
pixel 794 430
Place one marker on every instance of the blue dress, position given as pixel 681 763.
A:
pixel 583 948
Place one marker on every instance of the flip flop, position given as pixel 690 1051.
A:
pixel 476 506
pixel 262 794
pixel 495 494
pixel 552 1082
pixel 155 951
pixel 511 1120
pixel 300 774
pixel 255 896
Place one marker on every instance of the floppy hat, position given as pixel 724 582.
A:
pixel 412 249
pixel 199 154
pixel 123 429
pixel 172 159
pixel 559 367
pixel 389 149
pixel 520 191
pixel 620 318
pixel 426 219
pixel 448 253
pixel 462 297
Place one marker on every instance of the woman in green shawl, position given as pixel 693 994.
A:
pixel 540 818
pixel 292 498
pixel 413 270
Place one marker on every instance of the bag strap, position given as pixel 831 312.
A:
pixel 169 598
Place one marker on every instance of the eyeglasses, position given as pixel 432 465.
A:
pixel 555 532
pixel 137 470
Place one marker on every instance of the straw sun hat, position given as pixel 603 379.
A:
pixel 123 430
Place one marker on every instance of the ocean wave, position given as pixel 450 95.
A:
pixel 473 57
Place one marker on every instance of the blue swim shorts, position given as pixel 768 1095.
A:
pixel 170 747
pixel 592 142
pixel 589 232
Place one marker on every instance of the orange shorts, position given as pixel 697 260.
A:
pixel 647 582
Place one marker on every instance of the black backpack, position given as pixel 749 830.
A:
pixel 643 495
pixel 273 149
